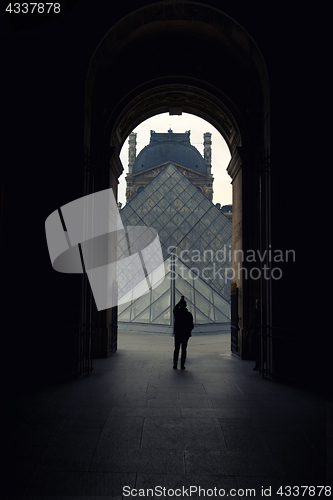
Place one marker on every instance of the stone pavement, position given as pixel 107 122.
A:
pixel 136 424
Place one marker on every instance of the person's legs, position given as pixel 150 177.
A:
pixel 183 356
pixel 176 352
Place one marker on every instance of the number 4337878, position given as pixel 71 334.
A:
pixel 302 491
pixel 33 8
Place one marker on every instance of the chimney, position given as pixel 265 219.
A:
pixel 208 151
pixel 131 151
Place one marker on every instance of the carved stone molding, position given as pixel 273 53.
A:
pixel 191 99
pixel 234 164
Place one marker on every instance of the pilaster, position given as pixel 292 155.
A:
pixel 234 165
pixel 131 151
pixel 208 151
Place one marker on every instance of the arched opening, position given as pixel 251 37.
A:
pixel 179 74
pixel 222 189
pixel 171 159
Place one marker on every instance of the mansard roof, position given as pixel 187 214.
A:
pixel 169 146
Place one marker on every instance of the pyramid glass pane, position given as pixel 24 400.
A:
pixel 208 236
pixel 125 315
pixel 198 237
pixel 178 189
pixel 163 219
pixel 155 198
pixel 185 196
pixel 163 319
pixel 192 218
pixel 164 189
pixel 143 317
pixel 131 219
pixel 172 196
pixel 204 306
pixel 184 226
pixel 160 305
pixel 192 204
pixel 221 305
pixel 220 317
pixel 184 288
pixel 172 226
pixel 163 204
pixel 139 305
pixel 201 318
pixel 181 270
pixel 177 219
pixel 171 241
pixel 178 234
pixel 161 289
pixel 149 218
pixel 179 203
pixel 204 289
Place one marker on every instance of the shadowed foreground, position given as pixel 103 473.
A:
pixel 137 423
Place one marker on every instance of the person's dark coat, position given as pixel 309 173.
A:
pixel 183 324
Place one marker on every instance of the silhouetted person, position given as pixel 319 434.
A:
pixel 182 330
pixel 255 327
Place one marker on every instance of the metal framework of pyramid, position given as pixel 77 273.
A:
pixel 196 240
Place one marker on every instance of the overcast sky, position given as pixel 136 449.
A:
pixel 197 126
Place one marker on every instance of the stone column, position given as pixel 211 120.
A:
pixel 104 340
pixel 131 151
pixel 208 151
pixel 235 171
pixel 243 169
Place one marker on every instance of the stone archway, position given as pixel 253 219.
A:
pixel 173 56
pixel 178 99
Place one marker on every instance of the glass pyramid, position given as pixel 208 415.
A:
pixel 196 242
